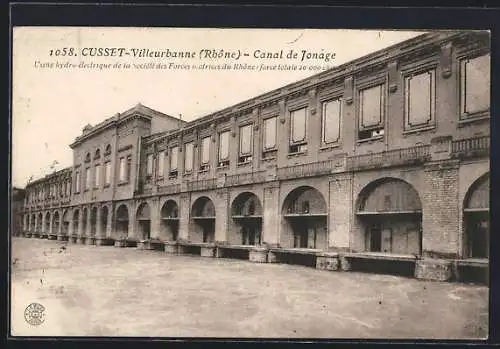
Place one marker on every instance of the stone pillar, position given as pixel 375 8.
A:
pixel 70 225
pixel 222 215
pixel 131 226
pixel 272 216
pixel 88 227
pixel 80 231
pixel 155 218
pixel 51 225
pixel 434 269
pixel 98 230
pixel 42 230
pixel 341 211
pixel 184 208
pixel 109 222
pixel 440 211
pixel 258 255
pixel 327 261
pixel 345 263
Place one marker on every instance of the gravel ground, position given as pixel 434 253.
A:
pixel 109 291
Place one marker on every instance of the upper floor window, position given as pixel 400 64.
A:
pixel 87 178
pixel 205 153
pixel 161 163
pixel 107 150
pixel 270 134
pixel 188 156
pixel 87 157
pixel 149 167
pixel 224 149
pixel 97 176
pixel 68 188
pixel 420 99
pixel 97 154
pixel 474 86
pixel 107 173
pixel 128 172
pixel 174 162
pixel 298 130
pixel 331 121
pixel 245 153
pixel 122 170
pixel 371 112
pixel 77 181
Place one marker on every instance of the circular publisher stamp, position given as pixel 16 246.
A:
pixel 34 314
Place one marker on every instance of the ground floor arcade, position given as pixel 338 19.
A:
pixel 405 215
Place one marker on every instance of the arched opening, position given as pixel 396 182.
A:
pixel 33 223
pixel 84 221
pixel 169 227
pixel 390 213
pixel 476 219
pixel 25 223
pixel 55 223
pixel 93 221
pixel 203 220
pixel 104 220
pixel 65 223
pixel 39 223
pixel 304 223
pixel 246 212
pixel 47 224
pixel 76 221
pixel 122 221
pixel 143 221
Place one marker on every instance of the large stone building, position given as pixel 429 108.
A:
pixel 383 159
pixel 17 211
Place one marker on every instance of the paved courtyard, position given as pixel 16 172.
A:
pixel 109 291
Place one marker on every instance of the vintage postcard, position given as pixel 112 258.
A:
pixel 250 183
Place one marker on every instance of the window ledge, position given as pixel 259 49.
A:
pixel 369 140
pixel 222 167
pixel 122 183
pixel 300 153
pixel 329 147
pixel 270 158
pixel 204 171
pixel 107 185
pixel 420 129
pixel 188 174
pixel 86 190
pixel 242 164
pixel 476 117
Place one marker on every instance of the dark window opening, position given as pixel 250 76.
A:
pixel 173 174
pixel 373 133
pixel 298 148
pixel 251 208
pixel 375 238
pixel 305 207
pixel 224 163
pixel 244 159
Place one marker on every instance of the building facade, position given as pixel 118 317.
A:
pixel 17 211
pixel 382 158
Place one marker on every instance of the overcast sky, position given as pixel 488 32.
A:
pixel 51 106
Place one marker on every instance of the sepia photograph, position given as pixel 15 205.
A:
pixel 250 183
